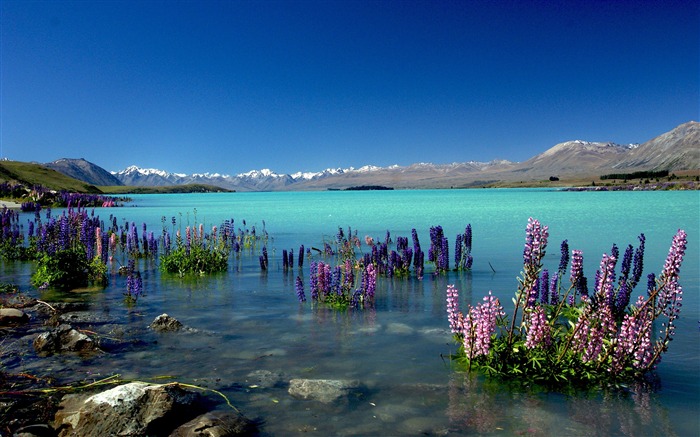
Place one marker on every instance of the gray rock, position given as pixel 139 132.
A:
pixel 134 409
pixel 264 378
pixel 165 323
pixel 216 424
pixel 322 390
pixel 12 316
pixel 64 339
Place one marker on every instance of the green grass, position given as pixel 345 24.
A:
pixel 30 174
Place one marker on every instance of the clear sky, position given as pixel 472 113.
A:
pixel 230 86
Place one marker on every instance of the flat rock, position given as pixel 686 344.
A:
pixel 217 424
pixel 322 390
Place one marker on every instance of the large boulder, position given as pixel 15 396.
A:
pixel 64 339
pixel 134 409
pixel 322 390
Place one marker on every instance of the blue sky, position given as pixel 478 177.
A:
pixel 230 86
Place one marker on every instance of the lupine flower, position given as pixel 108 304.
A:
pixel 638 261
pixel 538 330
pixel 634 339
pixel 371 283
pixel 454 316
pixel 536 237
pixel 335 284
pixel 564 260
pixel 479 325
pixel 605 276
pixel 134 283
pixel 299 286
pixel 554 290
pixel 544 287
pixel 576 266
pixel 590 330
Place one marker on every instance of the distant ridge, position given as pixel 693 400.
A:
pixel 85 171
pixel 678 149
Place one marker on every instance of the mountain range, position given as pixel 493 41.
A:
pixel 676 150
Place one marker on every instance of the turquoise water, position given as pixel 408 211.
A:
pixel 251 321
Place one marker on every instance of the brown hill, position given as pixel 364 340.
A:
pixel 676 150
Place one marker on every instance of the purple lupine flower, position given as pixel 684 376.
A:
pixel 590 330
pixel 676 252
pixel 335 284
pixel 638 261
pixel 544 287
pixel 623 298
pixel 564 260
pixel 536 237
pixel 458 252
pixel 634 344
pixel 651 283
pixel 454 316
pixel 468 238
pixel 299 286
pixel 533 294
pixel 576 266
pixel 538 330
pixel 134 283
pixel 444 257
pixel 371 284
pixel 605 292
pixel 626 264
pixel 480 324
pixel 349 279
pixel 554 290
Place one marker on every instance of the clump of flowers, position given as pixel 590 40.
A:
pixel 337 286
pixel 558 336
pixel 134 283
pixel 199 252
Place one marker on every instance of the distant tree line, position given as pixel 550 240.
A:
pixel 368 187
pixel 636 175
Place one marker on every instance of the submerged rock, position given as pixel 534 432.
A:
pixel 217 424
pixel 64 339
pixel 165 323
pixel 134 409
pixel 322 390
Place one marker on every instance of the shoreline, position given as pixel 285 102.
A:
pixel 9 204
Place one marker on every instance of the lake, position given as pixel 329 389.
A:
pixel 253 335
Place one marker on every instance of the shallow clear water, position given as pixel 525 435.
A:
pixel 250 321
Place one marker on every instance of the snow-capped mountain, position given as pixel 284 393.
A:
pixel 254 180
pixel 674 150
